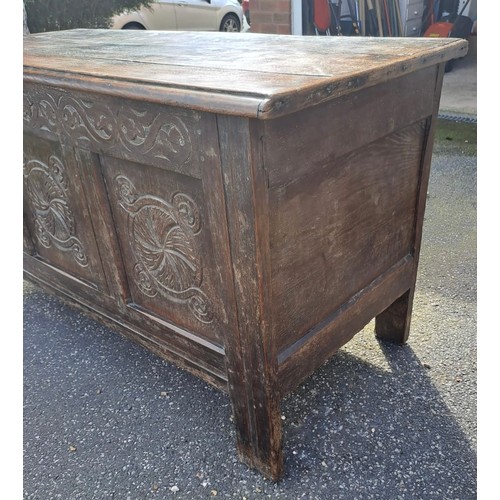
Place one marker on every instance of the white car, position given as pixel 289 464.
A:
pixel 188 15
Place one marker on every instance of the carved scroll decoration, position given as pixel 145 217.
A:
pixel 162 238
pixel 47 191
pixel 94 124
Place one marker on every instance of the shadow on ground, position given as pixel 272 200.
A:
pixel 106 419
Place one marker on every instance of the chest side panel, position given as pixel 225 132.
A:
pixel 343 198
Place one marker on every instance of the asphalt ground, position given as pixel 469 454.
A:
pixel 105 419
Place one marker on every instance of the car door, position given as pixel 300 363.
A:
pixel 196 15
pixel 161 15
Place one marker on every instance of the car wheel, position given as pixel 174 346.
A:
pixel 230 23
pixel 133 26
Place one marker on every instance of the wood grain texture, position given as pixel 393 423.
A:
pixel 56 212
pixel 336 231
pixel 156 135
pixel 394 323
pixel 251 356
pixel 301 147
pixel 309 353
pixel 190 326
pixel 28 244
pixel 271 75
pixel 102 221
pixel 165 245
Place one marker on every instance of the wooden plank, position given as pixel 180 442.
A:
pixel 195 99
pixel 301 360
pixel 279 74
pixel 394 323
pixel 333 232
pixel 252 53
pixel 251 357
pixel 155 135
pixel 95 193
pixel 298 146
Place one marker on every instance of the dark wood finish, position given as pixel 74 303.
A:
pixel 56 211
pixel 394 323
pixel 242 216
pixel 320 343
pixel 259 75
pixel 95 192
pixel 326 133
pixel 252 360
pixel 362 224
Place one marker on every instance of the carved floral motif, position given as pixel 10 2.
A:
pixel 162 237
pixel 89 123
pixel 46 188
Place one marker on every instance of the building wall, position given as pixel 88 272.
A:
pixel 270 16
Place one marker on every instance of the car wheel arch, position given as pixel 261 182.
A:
pixel 229 18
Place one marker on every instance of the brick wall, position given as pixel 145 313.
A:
pixel 270 16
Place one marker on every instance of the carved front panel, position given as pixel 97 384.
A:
pixel 133 130
pixel 165 241
pixel 57 220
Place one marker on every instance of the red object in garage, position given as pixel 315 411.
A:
pixel 439 30
pixel 322 19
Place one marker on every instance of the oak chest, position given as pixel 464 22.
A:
pixel 240 204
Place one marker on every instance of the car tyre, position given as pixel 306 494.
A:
pixel 133 26
pixel 230 22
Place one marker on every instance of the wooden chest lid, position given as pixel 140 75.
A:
pixel 246 74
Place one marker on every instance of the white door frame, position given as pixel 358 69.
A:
pixel 296 17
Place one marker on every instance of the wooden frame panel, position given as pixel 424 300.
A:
pixel 333 233
pixel 56 214
pixel 92 131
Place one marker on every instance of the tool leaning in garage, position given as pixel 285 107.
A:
pixel 322 17
pixel 451 24
pixel 381 18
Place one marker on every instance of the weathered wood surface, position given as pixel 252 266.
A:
pixel 319 343
pixel 56 211
pixel 299 149
pixel 246 251
pixel 335 232
pixel 244 74
pixel 393 324
pixel 252 360
pixel 141 233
